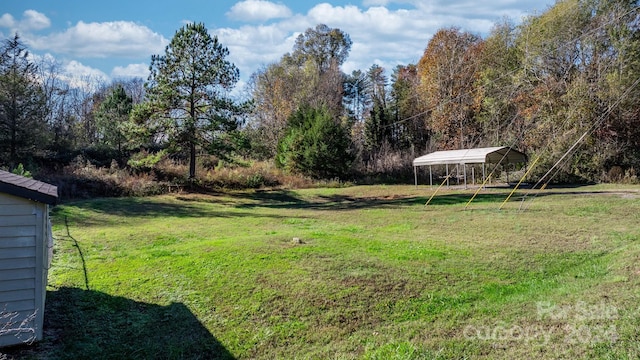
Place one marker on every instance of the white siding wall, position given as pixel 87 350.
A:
pixel 22 274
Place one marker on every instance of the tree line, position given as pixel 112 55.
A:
pixel 562 86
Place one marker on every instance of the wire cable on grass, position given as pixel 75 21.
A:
pixel 435 192
pixel 77 246
pixel 519 182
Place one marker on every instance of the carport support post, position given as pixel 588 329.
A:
pixel 464 171
pixel 473 174
pixel 484 177
pixel 430 176
pixel 447 167
pixel 415 175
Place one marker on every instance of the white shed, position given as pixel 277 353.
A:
pixel 25 255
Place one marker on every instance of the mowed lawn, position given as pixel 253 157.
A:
pixel 373 274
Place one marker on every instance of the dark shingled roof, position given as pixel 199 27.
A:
pixel 28 188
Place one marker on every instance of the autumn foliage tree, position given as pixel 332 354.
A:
pixel 569 87
pixel 498 92
pixel 448 72
pixel 308 76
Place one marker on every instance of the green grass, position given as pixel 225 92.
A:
pixel 377 276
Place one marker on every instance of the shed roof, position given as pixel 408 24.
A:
pixel 494 155
pixel 28 188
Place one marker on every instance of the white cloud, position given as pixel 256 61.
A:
pixel 258 10
pixel 471 9
pixel 253 46
pixel 81 76
pixel 131 71
pixel 391 35
pixel 7 21
pixel 108 39
pixel 34 20
pixel 379 35
pixel 31 20
pixel 368 3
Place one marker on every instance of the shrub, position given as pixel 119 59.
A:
pixel 315 145
pixel 145 161
pixel 20 170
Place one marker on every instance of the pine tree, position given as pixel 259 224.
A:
pixel 22 104
pixel 112 118
pixel 187 91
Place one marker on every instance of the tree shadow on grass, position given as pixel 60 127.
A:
pixel 81 324
pixel 285 200
pixel 498 196
pixel 195 206
pixel 335 202
pixel 192 206
pixel 146 208
pixel 463 198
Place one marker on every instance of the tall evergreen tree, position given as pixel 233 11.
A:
pixel 355 97
pixel 410 129
pixel 112 118
pixel 22 104
pixel 187 92
pixel 377 126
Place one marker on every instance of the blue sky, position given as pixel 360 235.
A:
pixel 114 39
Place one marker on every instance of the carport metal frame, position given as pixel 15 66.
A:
pixel 497 155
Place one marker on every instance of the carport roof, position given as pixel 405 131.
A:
pixel 501 154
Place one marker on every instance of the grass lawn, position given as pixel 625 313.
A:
pixel 375 275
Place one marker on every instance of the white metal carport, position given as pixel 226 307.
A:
pixel 493 155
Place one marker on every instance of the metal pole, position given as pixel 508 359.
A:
pixel 415 175
pixel 430 176
pixel 447 166
pixel 484 177
pixel 473 174
pixel 465 175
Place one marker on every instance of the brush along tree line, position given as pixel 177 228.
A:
pixel 537 86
